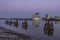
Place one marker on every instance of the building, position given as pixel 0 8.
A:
pixel 36 19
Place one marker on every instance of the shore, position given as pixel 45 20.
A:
pixel 9 34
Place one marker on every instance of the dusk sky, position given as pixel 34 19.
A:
pixel 29 5
pixel 18 8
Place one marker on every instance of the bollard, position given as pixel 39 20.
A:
pixel 48 28
pixel 8 22
pixel 24 24
pixel 15 23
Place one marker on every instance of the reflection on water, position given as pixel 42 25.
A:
pixel 48 28
pixel 57 22
pixel 8 22
pixel 25 24
pixel 39 32
pixel 15 23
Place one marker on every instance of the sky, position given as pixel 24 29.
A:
pixel 18 8
pixel 26 6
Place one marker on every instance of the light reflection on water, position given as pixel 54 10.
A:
pixel 36 32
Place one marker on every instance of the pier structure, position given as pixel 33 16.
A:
pixel 35 16
pixel 35 19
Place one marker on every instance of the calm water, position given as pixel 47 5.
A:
pixel 31 30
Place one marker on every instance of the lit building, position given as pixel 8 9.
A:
pixel 36 19
pixel 47 16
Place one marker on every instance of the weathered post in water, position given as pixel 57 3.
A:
pixel 15 23
pixel 48 28
pixel 25 24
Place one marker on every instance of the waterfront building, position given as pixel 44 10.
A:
pixel 36 19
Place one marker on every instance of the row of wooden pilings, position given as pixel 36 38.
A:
pixel 16 24
pixel 48 26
